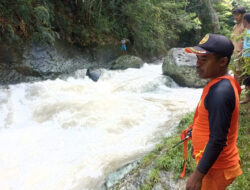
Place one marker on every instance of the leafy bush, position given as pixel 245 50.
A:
pixel 26 20
pixel 152 26
pixel 156 25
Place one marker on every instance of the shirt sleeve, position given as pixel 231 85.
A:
pixel 220 103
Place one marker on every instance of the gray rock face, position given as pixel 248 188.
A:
pixel 127 61
pixel 32 62
pixel 139 176
pixel 180 66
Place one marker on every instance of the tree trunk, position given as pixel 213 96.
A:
pixel 213 15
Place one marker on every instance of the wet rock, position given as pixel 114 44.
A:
pixel 94 74
pixel 167 181
pixel 127 61
pixel 136 178
pixel 54 60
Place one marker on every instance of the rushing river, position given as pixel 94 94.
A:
pixel 70 134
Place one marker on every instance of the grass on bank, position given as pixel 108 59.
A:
pixel 171 159
pixel 243 181
pixel 164 157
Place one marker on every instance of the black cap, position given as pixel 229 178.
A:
pixel 213 43
pixel 240 10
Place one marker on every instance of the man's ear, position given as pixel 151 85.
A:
pixel 223 61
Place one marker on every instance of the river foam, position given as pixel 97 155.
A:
pixel 70 134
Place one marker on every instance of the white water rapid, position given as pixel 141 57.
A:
pixel 70 134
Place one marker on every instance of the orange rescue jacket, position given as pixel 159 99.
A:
pixel 229 156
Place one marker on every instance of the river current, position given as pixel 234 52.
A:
pixel 70 134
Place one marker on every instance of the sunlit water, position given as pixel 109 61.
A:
pixel 70 134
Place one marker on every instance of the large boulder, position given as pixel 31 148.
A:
pixel 127 61
pixel 181 67
pixel 33 62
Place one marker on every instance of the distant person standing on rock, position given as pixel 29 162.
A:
pixel 237 40
pixel 123 46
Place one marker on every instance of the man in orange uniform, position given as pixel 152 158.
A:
pixel 215 124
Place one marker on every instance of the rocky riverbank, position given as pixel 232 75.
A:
pixel 33 62
pixel 158 170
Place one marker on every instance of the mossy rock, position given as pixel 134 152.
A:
pixel 127 61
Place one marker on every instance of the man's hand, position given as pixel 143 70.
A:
pixel 194 181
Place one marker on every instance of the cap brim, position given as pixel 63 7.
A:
pixel 196 50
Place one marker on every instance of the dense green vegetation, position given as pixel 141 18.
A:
pixel 242 182
pixel 152 26
pixel 171 159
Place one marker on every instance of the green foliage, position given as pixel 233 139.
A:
pixel 42 15
pixel 10 35
pixel 246 65
pixel 152 179
pixel 172 160
pixel 242 182
pixel 224 11
pixel 156 25
pixel 244 3
pixel 154 176
pixel 152 26
pixel 148 158
pixel 185 121
pixel 146 186
pixel 26 20
pixel 167 158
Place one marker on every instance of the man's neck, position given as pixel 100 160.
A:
pixel 225 73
